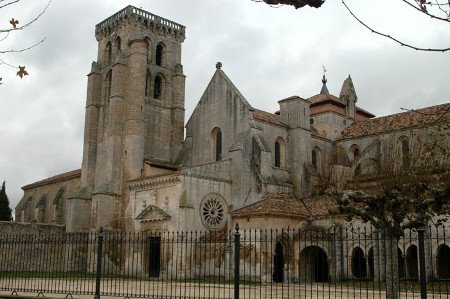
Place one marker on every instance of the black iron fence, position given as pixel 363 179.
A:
pixel 336 262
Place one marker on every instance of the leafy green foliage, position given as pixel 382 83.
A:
pixel 5 210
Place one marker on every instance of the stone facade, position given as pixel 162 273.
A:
pixel 140 173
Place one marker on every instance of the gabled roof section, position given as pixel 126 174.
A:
pixel 153 213
pixel 275 205
pixel 400 121
pixel 55 179
pixel 220 75
pixel 288 206
pixel 322 97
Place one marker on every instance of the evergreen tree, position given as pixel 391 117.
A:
pixel 5 210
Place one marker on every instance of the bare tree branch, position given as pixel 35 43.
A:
pixel 30 22
pixel 393 38
pixel 22 50
pixel 426 12
pixel 294 3
pixel 4 5
pixel 5 63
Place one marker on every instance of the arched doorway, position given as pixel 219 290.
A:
pixel 278 263
pixel 359 263
pixel 313 264
pixel 443 262
pixel 412 270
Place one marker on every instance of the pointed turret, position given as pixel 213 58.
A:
pixel 324 89
pixel 348 96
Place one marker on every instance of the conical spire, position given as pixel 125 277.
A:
pixel 324 89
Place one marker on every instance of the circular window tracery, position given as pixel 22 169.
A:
pixel 213 211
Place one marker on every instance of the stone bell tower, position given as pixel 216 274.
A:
pixel 134 111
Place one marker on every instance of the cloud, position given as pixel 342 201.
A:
pixel 268 53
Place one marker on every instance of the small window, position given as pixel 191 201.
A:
pixel 159 54
pixel 118 43
pixel 108 52
pixel 216 144
pixel 316 158
pixel 354 151
pixel 219 146
pixel 277 154
pixel 280 152
pixel 148 83
pixel 157 88
pixel 108 86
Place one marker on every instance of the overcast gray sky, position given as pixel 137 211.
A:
pixel 269 53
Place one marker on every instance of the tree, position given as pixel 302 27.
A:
pixel 15 25
pixel 5 210
pixel 294 3
pixel 411 191
pixel 436 10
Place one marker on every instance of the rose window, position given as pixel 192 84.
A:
pixel 213 211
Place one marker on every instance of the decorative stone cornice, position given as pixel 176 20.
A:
pixel 154 182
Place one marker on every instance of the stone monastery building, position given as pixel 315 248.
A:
pixel 141 171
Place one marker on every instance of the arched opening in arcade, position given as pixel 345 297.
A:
pixel 313 265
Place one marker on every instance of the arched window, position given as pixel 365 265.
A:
pixel 316 158
pixel 404 151
pixel 159 54
pixel 157 87
pixel 108 52
pixel 280 152
pixel 277 154
pixel 354 150
pixel 216 144
pixel 148 83
pixel 118 43
pixel 108 86
pixel 40 209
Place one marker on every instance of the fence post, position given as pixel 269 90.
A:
pixel 98 274
pixel 237 251
pixel 422 270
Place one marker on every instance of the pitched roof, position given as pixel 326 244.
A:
pixel 400 121
pixel 268 117
pixel 55 179
pixel 322 207
pixel 288 206
pixel 322 97
pixel 281 205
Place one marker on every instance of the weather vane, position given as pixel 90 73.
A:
pixel 324 69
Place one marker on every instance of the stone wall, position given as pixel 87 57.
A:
pixel 31 247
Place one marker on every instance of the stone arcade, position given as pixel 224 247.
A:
pixel 142 172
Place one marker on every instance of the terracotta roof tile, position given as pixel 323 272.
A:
pixel 288 206
pixel 399 121
pixel 278 205
pixel 322 207
pixel 321 97
pixel 268 117
pixel 54 179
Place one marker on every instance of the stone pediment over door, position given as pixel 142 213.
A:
pixel 152 213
